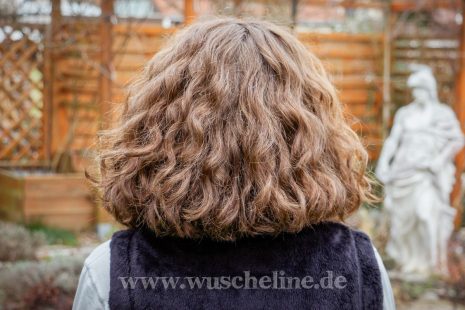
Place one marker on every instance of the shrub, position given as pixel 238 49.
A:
pixel 17 243
pixel 40 284
pixel 456 265
pixel 54 235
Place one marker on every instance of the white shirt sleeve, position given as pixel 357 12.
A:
pixel 388 296
pixel 94 283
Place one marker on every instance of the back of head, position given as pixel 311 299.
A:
pixel 233 129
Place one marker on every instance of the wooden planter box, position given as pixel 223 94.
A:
pixel 58 200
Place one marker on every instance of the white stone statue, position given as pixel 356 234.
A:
pixel 417 168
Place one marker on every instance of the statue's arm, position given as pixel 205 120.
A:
pixel 389 149
pixel 456 142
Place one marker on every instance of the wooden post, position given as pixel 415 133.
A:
pixel 106 61
pixel 237 8
pixel 456 195
pixel 189 12
pixel 105 83
pixel 48 74
pixel 56 114
pixel 387 40
pixel 294 7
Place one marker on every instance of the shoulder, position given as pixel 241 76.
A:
pixel 388 295
pixel 403 111
pixel 121 239
pixel 371 268
pixel 444 107
pixel 339 229
pixel 402 114
pixel 94 283
pixel 355 248
pixel 99 256
pixel 341 236
pixel 444 110
pixel 98 269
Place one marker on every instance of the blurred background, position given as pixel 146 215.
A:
pixel 64 65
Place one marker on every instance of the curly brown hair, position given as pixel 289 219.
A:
pixel 233 129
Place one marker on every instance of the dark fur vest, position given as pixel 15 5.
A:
pixel 327 266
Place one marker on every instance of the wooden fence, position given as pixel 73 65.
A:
pixel 52 100
pixel 23 129
pixel 354 61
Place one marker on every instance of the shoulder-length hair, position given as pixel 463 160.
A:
pixel 233 129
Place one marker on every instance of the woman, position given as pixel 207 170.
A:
pixel 233 167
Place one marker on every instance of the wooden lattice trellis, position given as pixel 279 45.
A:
pixel 21 94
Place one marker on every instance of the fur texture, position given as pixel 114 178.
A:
pixel 313 251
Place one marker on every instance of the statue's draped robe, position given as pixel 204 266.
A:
pixel 417 198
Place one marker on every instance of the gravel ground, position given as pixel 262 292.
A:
pixel 429 305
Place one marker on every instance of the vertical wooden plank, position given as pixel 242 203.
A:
pixel 294 7
pixel 189 12
pixel 237 8
pixel 387 62
pixel 456 194
pixel 58 120
pixel 106 61
pixel 47 92
pixel 105 79
pixel 11 196
pixel 49 74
